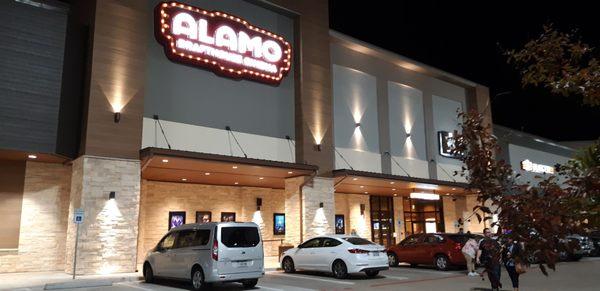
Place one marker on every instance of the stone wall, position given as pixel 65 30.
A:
pixel 349 205
pixel 159 198
pixel 318 220
pixel 43 220
pixel 108 235
pixel 399 234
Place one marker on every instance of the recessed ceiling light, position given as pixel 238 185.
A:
pixel 361 186
pixel 290 172
pixel 236 183
pixel 366 192
pixel 392 183
pixel 447 194
pixel 235 167
pixel 453 189
pixel 393 189
pixel 395 194
pixel 207 174
pixel 354 179
pixel 165 161
pixel 183 179
pixel 32 156
pixel 261 178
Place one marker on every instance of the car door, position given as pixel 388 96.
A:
pixel 191 246
pixel 429 248
pixel 163 254
pixel 323 256
pixel 303 257
pixel 406 250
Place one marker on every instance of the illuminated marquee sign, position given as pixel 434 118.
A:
pixel 530 166
pixel 223 43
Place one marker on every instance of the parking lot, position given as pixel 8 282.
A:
pixel 581 275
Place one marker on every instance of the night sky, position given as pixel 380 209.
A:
pixel 465 38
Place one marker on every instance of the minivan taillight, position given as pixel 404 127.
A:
pixel 358 251
pixel 215 250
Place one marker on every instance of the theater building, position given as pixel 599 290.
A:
pixel 144 115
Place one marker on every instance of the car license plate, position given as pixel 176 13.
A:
pixel 375 254
pixel 241 264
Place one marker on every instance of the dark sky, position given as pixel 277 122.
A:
pixel 464 38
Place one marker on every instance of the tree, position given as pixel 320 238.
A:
pixel 541 216
pixel 560 62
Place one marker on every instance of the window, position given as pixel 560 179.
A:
pixel 358 241
pixel 192 238
pixel 432 239
pixel 313 243
pixel 411 240
pixel 168 241
pixel 240 236
pixel 330 242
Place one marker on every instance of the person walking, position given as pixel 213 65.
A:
pixel 488 255
pixel 510 252
pixel 469 250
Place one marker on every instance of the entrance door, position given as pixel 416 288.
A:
pixel 423 216
pixel 382 220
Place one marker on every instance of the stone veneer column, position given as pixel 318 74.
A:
pixel 108 236
pixel 315 220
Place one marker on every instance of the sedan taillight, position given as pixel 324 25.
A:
pixel 215 250
pixel 358 251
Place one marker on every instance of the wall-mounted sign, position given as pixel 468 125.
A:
pixel 446 144
pixel 223 43
pixel 530 166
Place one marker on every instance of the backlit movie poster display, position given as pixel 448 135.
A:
pixel 222 43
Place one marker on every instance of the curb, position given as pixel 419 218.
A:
pixel 90 282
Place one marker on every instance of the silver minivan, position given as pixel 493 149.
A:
pixel 208 252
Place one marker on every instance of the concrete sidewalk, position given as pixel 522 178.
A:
pixel 38 280
pixel 62 280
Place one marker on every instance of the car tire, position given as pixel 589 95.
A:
pixel 441 262
pixel 339 269
pixel 148 273
pixel 250 283
pixel 197 279
pixel 372 273
pixel 288 265
pixel 392 260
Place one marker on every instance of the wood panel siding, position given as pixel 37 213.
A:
pixel 11 199
pixel 117 79
pixel 314 112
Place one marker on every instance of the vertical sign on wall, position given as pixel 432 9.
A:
pixel 223 43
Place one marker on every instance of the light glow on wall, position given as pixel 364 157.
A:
pixel 107 220
pixel 424 196
pixel 320 225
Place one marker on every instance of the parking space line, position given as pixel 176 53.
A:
pixel 269 288
pixel 128 284
pixel 396 277
pixel 312 278
pixel 425 271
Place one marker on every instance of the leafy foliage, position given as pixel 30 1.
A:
pixel 540 216
pixel 561 63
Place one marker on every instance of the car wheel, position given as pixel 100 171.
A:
pixel 288 265
pixel 441 262
pixel 392 259
pixel 198 279
pixel 148 273
pixel 250 283
pixel 339 269
pixel 372 273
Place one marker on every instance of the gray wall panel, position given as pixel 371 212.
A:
pixel 197 96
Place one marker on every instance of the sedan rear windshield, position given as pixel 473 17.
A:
pixel 239 237
pixel 358 241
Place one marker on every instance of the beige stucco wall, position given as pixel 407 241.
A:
pixel 158 198
pixel 43 220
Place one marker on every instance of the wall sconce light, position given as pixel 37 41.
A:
pixel 320 204
pixel 357 124
pixel 117 117
pixel 362 209
pixel 258 203
pixel 112 195
pixel 407 134
pixel 318 147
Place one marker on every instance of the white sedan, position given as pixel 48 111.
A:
pixel 339 254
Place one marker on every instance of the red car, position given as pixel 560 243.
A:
pixel 441 250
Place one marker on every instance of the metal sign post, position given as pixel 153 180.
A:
pixel 77 219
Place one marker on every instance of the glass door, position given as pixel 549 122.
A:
pixel 423 216
pixel 382 220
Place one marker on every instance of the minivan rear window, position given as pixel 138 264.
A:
pixel 239 236
pixel 358 241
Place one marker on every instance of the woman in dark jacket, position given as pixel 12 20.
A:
pixel 511 250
